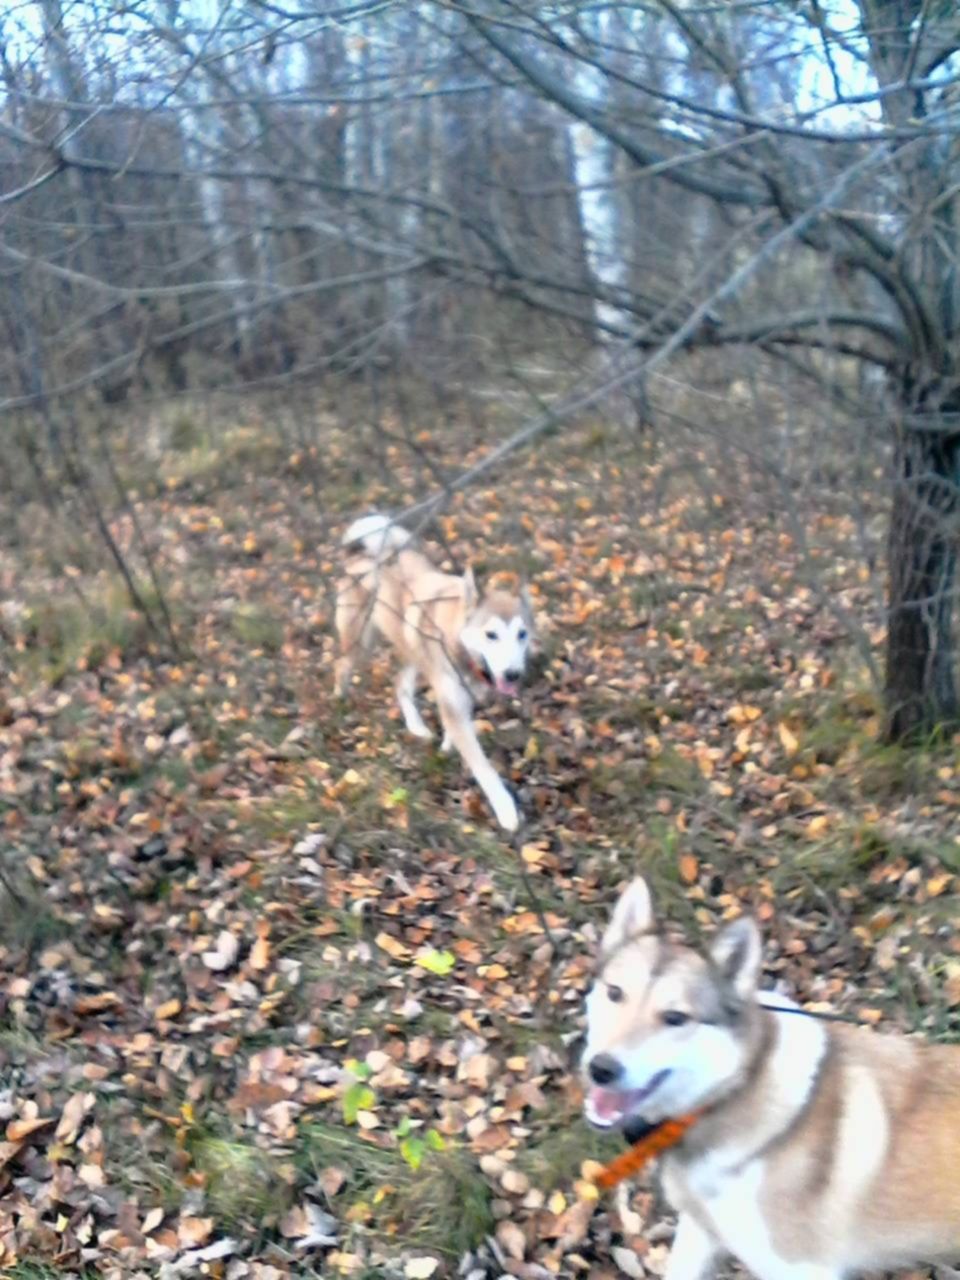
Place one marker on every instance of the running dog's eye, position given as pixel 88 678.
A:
pixel 522 634
pixel 491 635
pixel 615 994
pixel 674 1018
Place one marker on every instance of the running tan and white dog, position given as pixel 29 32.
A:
pixel 463 644
pixel 820 1149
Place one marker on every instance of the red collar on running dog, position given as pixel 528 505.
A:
pixel 660 1138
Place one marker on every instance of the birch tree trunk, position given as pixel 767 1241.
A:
pixel 202 141
pixel 597 170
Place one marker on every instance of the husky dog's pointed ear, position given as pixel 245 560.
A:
pixel 526 603
pixel 633 914
pixel 738 954
pixel 470 593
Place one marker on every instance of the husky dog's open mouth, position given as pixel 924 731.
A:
pixel 607 1108
pixel 508 688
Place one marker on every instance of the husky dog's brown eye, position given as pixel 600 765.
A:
pixel 615 994
pixel 491 635
pixel 674 1018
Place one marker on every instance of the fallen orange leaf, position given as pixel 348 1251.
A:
pixel 260 954
pixel 17 1130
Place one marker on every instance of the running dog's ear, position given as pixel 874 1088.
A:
pixel 470 593
pixel 526 603
pixel 633 914
pixel 738 955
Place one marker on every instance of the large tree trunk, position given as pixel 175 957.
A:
pixel 921 691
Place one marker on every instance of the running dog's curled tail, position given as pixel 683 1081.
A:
pixel 378 534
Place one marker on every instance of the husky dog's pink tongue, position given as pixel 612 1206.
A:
pixel 608 1104
pixel 611 1105
pixel 506 687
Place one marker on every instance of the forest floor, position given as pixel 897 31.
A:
pixel 279 999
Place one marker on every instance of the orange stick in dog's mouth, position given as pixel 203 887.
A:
pixel 651 1145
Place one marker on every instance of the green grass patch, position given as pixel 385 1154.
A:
pixel 885 770
pixel 62 634
pixel 552 1158
pixel 814 874
pixel 527 888
pixel 198 453
pixel 625 780
pixel 27 920
pixel 744 680
pixel 675 774
pixel 45 1271
pixel 185 433
pixel 285 811
pixel 831 725
pixel 19 1044
pixel 443 1206
pixel 242 1183
pixel 257 627
pixel 647 595
pixel 917 1002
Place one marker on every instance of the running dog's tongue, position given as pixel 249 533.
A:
pixel 508 687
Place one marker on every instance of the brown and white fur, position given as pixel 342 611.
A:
pixel 823 1150
pixel 461 643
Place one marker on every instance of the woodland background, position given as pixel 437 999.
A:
pixel 654 304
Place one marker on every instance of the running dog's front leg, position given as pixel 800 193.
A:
pixel 406 696
pixel 455 713
pixel 694 1252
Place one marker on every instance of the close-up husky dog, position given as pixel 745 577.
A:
pixel 816 1149
pixel 462 643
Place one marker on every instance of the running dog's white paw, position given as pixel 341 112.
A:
pixel 506 811
pixel 421 731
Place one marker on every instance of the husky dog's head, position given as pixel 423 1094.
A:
pixel 498 635
pixel 668 1030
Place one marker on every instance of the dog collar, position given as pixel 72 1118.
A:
pixel 646 1147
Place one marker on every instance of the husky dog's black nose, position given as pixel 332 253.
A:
pixel 605 1069
pixel 512 675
